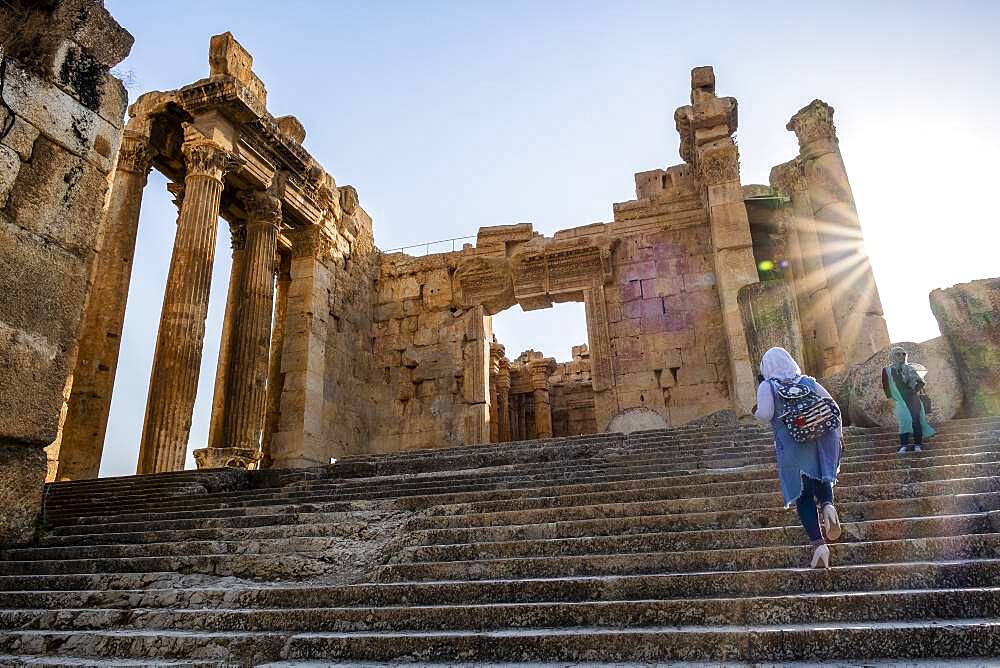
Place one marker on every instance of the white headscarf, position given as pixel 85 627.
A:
pixel 777 363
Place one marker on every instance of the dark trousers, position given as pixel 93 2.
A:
pixel 913 405
pixel 815 495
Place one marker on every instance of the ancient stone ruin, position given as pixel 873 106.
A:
pixel 678 290
pixel 384 481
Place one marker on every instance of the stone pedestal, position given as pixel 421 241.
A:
pixel 177 361
pixel 855 297
pixel 100 337
pixel 22 480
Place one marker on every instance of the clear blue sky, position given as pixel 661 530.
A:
pixel 448 116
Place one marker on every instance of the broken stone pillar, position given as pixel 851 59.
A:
pixel 298 441
pixel 540 370
pixel 968 315
pixel 503 401
pixel 100 338
pixel 821 337
pixel 173 382
pixel 496 354
pixel 61 127
pixel 770 318
pixel 706 127
pixel 855 297
pixel 275 377
pixel 243 408
pixel 867 403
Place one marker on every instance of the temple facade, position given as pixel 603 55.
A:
pixel 331 347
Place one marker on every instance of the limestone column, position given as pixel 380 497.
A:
pixel 216 430
pixel 540 372
pixel 855 297
pixel 246 380
pixel 100 337
pixel 820 332
pixel 503 401
pixel 275 377
pixel 706 127
pixel 173 383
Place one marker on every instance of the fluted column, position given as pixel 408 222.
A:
pixel 243 412
pixel 173 383
pixel 540 371
pixel 216 428
pixel 275 377
pixel 496 354
pixel 100 336
pixel 503 401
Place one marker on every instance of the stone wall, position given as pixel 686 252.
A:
pixel 571 395
pixel 59 133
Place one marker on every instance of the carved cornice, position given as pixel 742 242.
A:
pixel 135 154
pixel 204 158
pixel 813 123
pixel 719 165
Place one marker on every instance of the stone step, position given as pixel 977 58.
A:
pixel 326 525
pixel 483 548
pixel 453 516
pixel 77 661
pixel 170 591
pixel 840 607
pixel 881 485
pixel 950 638
pixel 919 549
pixel 675 541
pixel 884 471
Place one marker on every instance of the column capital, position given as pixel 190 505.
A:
pixel 135 154
pixel 719 164
pixel 205 158
pixel 217 458
pixel 540 372
pixel 813 126
pixel 312 241
pixel 503 375
pixel 262 207
pixel 237 236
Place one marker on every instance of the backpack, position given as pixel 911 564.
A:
pixel 807 415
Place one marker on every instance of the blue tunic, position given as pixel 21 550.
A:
pixel 819 459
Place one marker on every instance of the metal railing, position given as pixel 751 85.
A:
pixel 427 245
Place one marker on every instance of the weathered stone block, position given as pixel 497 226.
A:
pixel 22 478
pixel 771 318
pixel 436 291
pixel 867 404
pixel 968 315
pixel 21 138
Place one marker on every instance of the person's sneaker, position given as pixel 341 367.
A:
pixel 903 449
pixel 917 448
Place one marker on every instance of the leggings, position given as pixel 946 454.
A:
pixel 913 405
pixel 814 493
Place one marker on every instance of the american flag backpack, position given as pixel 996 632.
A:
pixel 807 415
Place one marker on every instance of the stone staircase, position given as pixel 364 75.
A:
pixel 656 547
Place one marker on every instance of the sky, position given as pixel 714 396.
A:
pixel 450 116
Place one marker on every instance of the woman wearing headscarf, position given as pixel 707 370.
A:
pixel 807 470
pixel 902 383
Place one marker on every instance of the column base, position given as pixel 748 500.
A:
pixel 22 480
pixel 217 458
